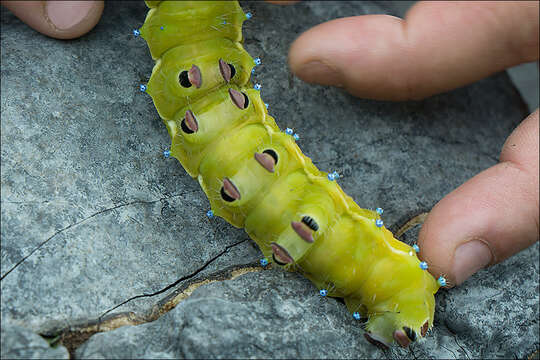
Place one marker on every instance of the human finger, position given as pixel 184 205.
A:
pixel 58 19
pixel 439 46
pixel 490 217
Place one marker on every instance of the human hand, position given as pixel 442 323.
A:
pixel 438 47
pixel 58 19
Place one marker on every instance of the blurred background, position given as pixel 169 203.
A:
pixel 524 76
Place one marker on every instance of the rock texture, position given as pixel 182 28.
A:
pixel 93 215
pixel 20 343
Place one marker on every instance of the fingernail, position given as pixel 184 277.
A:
pixel 469 258
pixel 66 14
pixel 320 73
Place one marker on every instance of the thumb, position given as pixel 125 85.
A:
pixel 489 218
pixel 58 19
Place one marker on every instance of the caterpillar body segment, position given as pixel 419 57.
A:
pixel 172 23
pixel 257 178
pixel 171 93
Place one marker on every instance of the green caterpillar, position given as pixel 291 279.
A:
pixel 257 178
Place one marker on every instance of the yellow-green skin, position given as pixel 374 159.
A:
pixel 377 275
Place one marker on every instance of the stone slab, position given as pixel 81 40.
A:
pixel 20 343
pixel 93 215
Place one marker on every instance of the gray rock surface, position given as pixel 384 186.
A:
pixel 20 343
pixel 258 315
pixel 93 215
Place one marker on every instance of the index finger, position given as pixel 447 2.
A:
pixel 439 46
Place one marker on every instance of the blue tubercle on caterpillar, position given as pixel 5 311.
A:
pixel 442 281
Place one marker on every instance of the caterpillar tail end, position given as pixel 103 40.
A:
pixel 405 325
pixel 384 329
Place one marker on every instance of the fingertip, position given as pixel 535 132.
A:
pixel 58 19
pixel 310 58
pixel 353 53
pixel 313 53
pixel 451 240
pixel 72 19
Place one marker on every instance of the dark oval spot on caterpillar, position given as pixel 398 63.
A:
pixel 185 128
pixel 375 342
pixel 312 224
pixel 227 70
pixel 266 161
pixel 401 338
pixel 189 123
pixel 226 197
pixel 280 255
pixel 303 231
pixel 272 153
pixel 229 192
pixel 194 76
pixel 183 78
pixel 276 261
pixel 239 99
